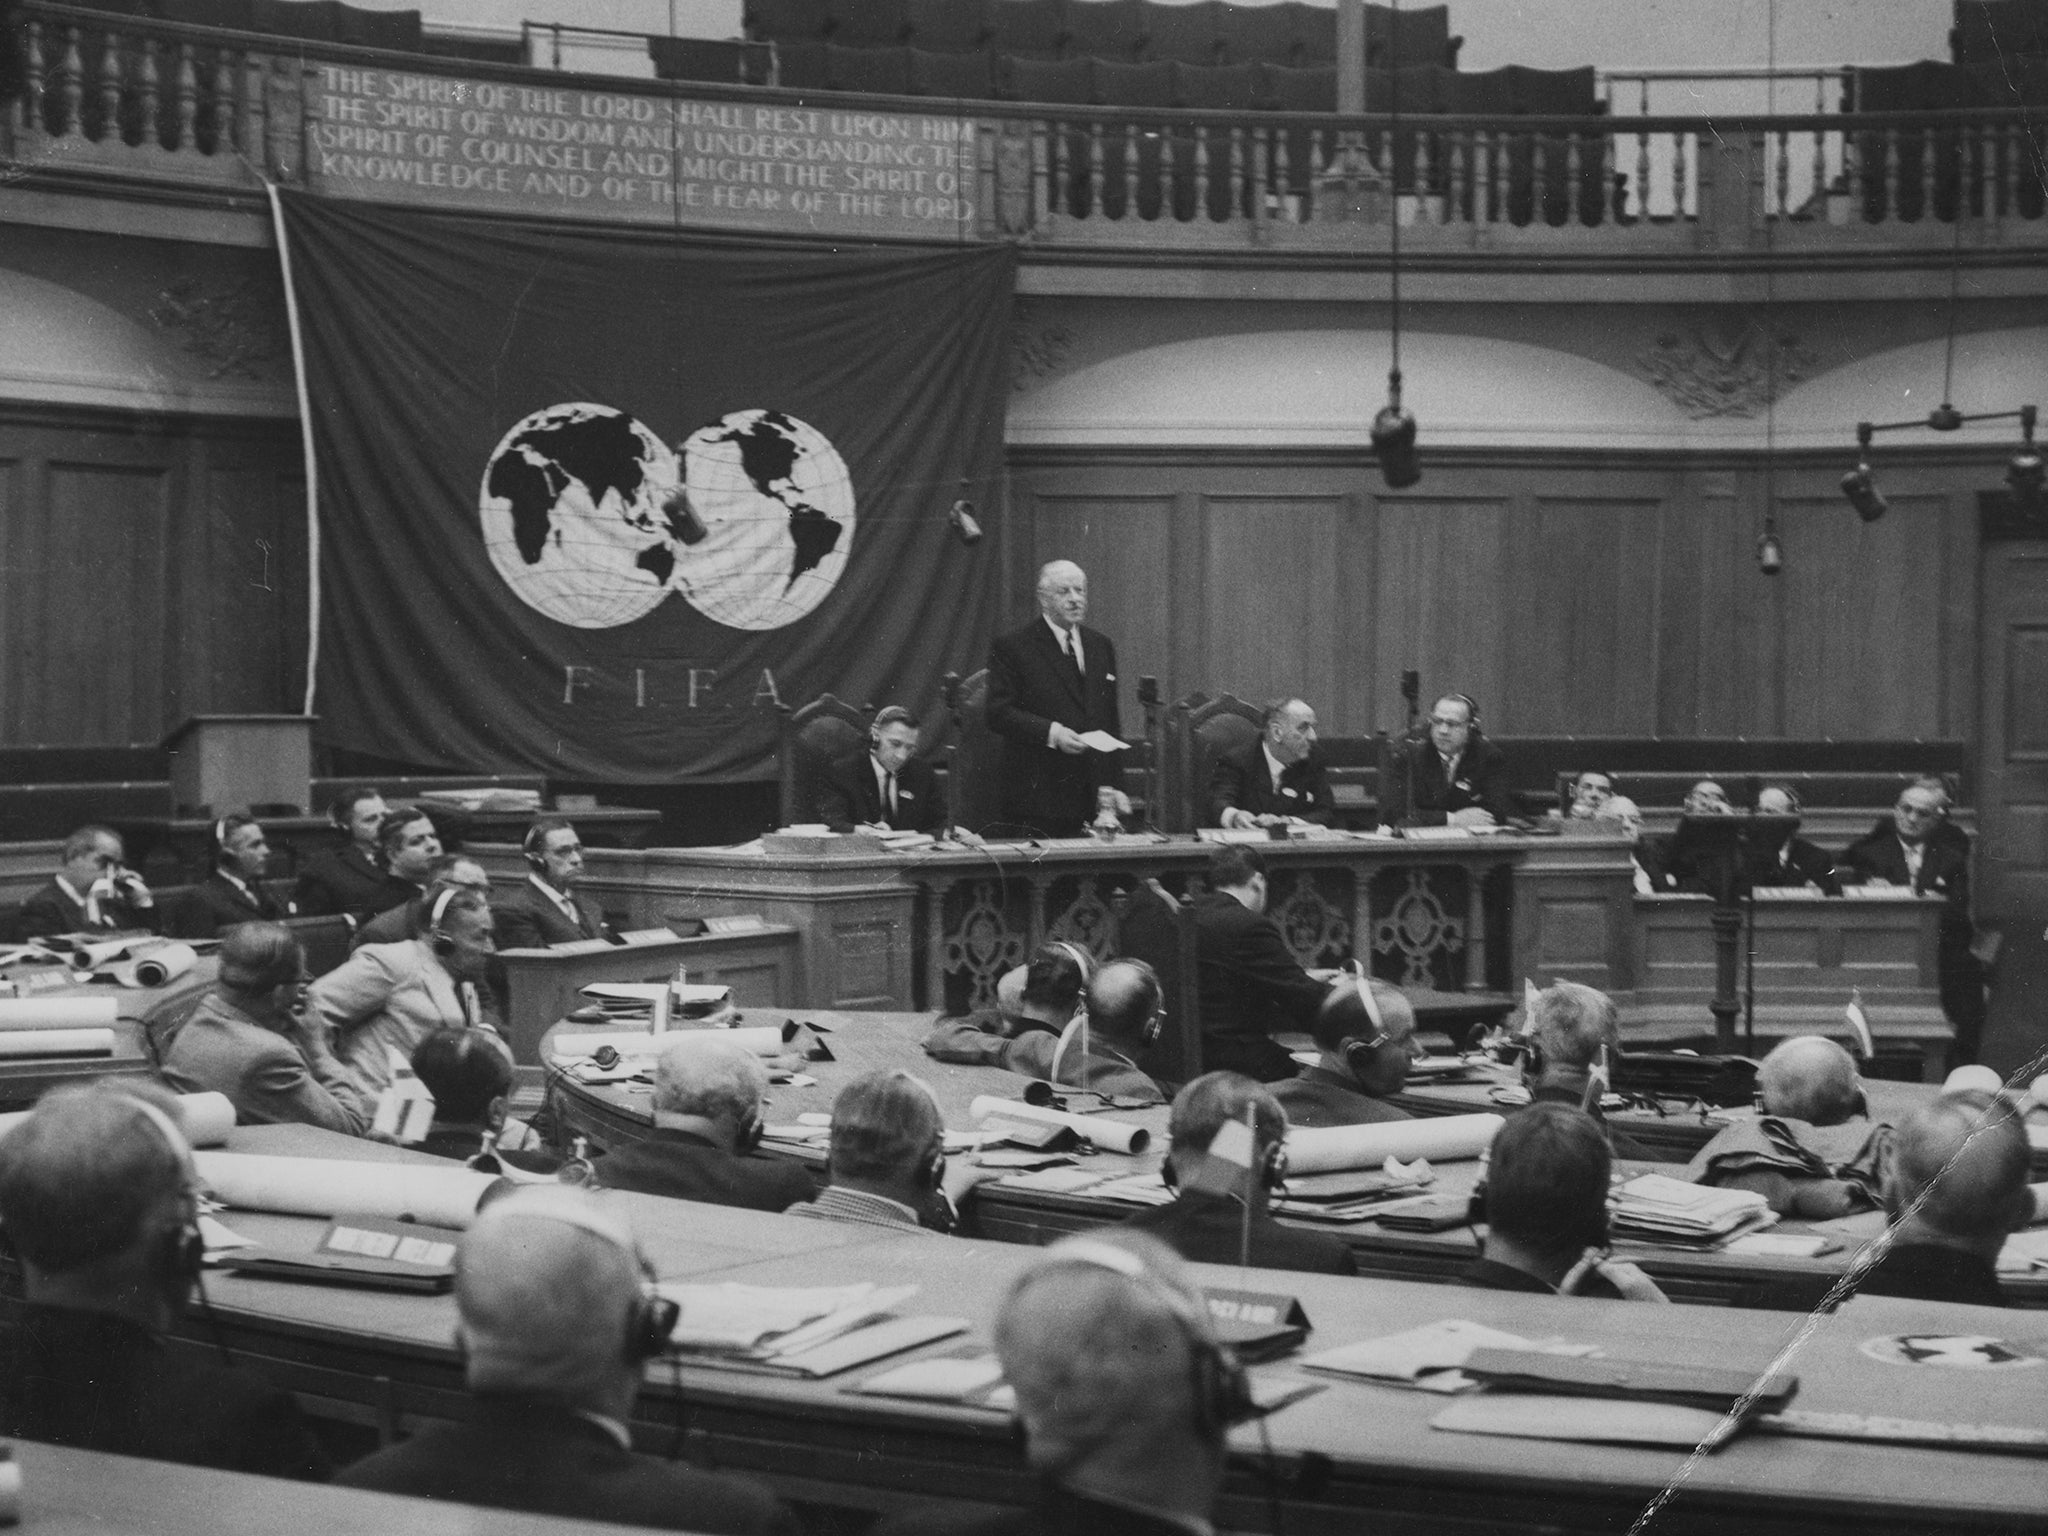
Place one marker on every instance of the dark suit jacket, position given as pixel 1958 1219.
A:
pixel 852 798
pixel 687 1167
pixel 1057 1512
pixel 1250 986
pixel 1030 685
pixel 1944 867
pixel 217 904
pixel 1240 780
pixel 1481 780
pixel 1928 1272
pixel 528 920
pixel 1803 863
pixel 51 910
pixel 1489 1275
pixel 1320 1097
pixel 102 1383
pixel 1209 1229
pixel 540 1458
pixel 345 880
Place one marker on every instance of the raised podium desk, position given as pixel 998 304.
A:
pixel 936 928
pixel 1352 1457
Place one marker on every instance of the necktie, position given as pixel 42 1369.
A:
pixel 889 792
pixel 1071 644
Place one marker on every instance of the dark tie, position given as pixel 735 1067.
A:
pixel 889 792
pixel 1073 650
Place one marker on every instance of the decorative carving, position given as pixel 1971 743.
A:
pixel 1417 930
pixel 1087 920
pixel 1037 352
pixel 982 944
pixel 1317 930
pixel 233 329
pixel 1725 372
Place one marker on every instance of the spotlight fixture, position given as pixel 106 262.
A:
pixel 964 522
pixel 1393 438
pixel 2025 475
pixel 1770 554
pixel 1393 428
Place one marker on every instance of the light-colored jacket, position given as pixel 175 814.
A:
pixel 388 997
pixel 220 1049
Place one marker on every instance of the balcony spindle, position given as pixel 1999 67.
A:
pixel 2013 147
pixel 110 86
pixel 1784 176
pixel 1498 155
pixel 148 98
pixel 1890 211
pixel 1642 187
pixel 1820 146
pixel 71 88
pixel 1985 144
pixel 187 88
pixel 1243 158
pixel 32 104
pixel 1574 179
pixel 1126 168
pixel 1457 176
pixel 1539 188
pixel 221 111
pixel 1092 194
pixel 1930 149
pixel 255 110
pixel 1041 178
pixel 1283 178
pixel 1678 174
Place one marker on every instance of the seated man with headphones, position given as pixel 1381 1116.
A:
pixel 349 880
pixel 1125 1396
pixel 1366 1033
pixel 251 1039
pixel 707 1129
pixel 888 787
pixel 469 1073
pixel 1251 986
pixel 1794 862
pixel 1564 1040
pixel 1814 1152
pixel 1223 1171
pixel 547 908
pixel 1455 776
pixel 386 998
pixel 1120 1015
pixel 232 891
pixel 400 923
pixel 99 1201
pixel 557 1319
pixel 888 1166
pixel 1545 1202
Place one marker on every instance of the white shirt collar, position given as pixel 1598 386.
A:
pixel 1063 635
pixel 71 890
pixel 559 898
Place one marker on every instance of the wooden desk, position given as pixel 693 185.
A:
pixel 1811 951
pixel 390 1360
pixel 882 930
pixel 141 1012
pixel 544 984
pixel 612 1114
pixel 67 1492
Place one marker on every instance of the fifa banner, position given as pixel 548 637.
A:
pixel 592 502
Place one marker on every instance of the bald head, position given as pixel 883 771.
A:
pixel 1063 593
pixel 1123 998
pixel 1097 1339
pixel 1958 1174
pixel 705 1073
pixel 1810 1079
pixel 546 1284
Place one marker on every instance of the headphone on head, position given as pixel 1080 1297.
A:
pixel 1222 1391
pixel 1358 1051
pixel 437 936
pixel 531 846
pixel 1081 959
pixel 654 1316
pixel 183 1253
pixel 1471 707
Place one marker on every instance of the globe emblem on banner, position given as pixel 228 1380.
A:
pixel 774 504
pixel 572 507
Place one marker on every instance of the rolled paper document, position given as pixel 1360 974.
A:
pixel 159 966
pixel 1330 1149
pixel 90 957
pixel 1104 1135
pixel 97 1012
pixel 206 1118
pixel 56 1042
pixel 326 1187
pixel 1974 1076
pixel 10 1487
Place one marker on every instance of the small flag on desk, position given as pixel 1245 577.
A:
pixel 1599 1078
pixel 1859 1026
pixel 1233 1143
pixel 1530 997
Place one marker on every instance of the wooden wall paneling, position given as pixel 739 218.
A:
pixel 2012 800
pixel 1124 543
pixel 1270 601
pixel 1718 629
pixel 1351 710
pixel 1962 600
pixel 1438 602
pixel 15 471
pixel 1585 649
pixel 1864 619
pixel 241 652
pixel 102 580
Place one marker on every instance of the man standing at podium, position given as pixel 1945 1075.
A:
pixel 1050 684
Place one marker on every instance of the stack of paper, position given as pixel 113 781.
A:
pixel 1659 1209
pixel 798 1331
pixel 484 797
pixel 1430 1357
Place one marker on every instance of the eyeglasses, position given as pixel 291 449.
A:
pixel 1918 812
pixel 1448 724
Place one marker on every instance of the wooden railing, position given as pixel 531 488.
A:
pixel 141 99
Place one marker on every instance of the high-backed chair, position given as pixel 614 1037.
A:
pixel 1159 930
pixel 324 939
pixel 972 788
pixel 809 740
pixel 1197 735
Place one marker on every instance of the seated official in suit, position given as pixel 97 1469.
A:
pixel 1251 985
pixel 1671 870
pixel 1918 846
pixel 547 908
pixel 1050 684
pixel 1093 1051
pixel 1955 1190
pixel 1570 1043
pixel 252 1039
pixel 1456 777
pixel 888 1165
pixel 91 892
pixel 557 1323
pixel 1546 1211
pixel 1795 862
pixel 1125 1396
pixel 350 880
pixel 101 1205
pixel 887 787
pixel 408 843
pixel 389 997
pixel 1043 994
pixel 469 1073
pixel 1274 780
pixel 1814 1152
pixel 232 891
pixel 707 1125
pixel 1366 1049
pixel 1223 1175
pixel 459 870
pixel 1594 799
